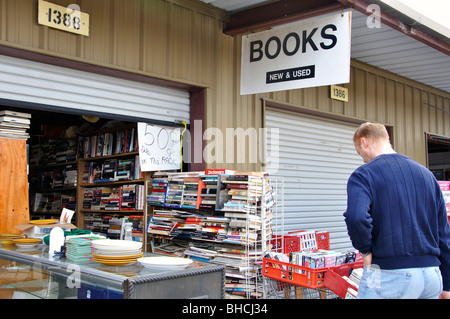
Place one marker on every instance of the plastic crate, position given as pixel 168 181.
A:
pixel 274 289
pixel 335 282
pixel 323 240
pixel 294 274
pixel 286 244
pixel 304 276
pixel 307 239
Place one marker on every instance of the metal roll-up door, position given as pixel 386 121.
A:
pixel 315 158
pixel 89 93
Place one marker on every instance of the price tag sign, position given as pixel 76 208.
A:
pixel 159 147
pixel 69 19
pixel 339 93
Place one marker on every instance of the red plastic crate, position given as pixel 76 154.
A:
pixel 294 274
pixel 307 277
pixel 286 244
pixel 323 240
pixel 335 282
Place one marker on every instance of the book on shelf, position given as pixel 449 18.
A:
pixel 106 144
pixel 192 188
pixel 202 254
pixel 232 214
pixel 111 170
pixel 157 194
pixel 126 197
pixel 162 222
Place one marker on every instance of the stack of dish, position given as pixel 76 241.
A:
pixel 164 263
pixel 27 243
pixel 114 252
pixel 7 239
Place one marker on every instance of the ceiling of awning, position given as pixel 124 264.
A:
pixel 402 45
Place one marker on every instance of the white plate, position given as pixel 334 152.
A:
pixel 164 263
pixel 26 247
pixel 99 251
pixel 116 244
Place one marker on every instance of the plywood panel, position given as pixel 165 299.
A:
pixel 14 208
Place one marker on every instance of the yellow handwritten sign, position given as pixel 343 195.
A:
pixel 69 19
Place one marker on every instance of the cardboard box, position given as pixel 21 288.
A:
pixel 40 231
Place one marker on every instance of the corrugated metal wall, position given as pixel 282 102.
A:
pixel 379 96
pixel 182 40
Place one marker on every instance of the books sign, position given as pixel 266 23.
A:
pixel 159 147
pixel 69 19
pixel 312 52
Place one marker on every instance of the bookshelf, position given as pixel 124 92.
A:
pixel 53 177
pixel 230 225
pixel 102 191
pixel 110 184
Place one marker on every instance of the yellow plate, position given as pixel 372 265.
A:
pixel 6 242
pixel 114 262
pixel 43 221
pixel 117 257
pixel 10 236
pixel 27 241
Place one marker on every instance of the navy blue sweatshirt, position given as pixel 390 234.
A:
pixel 396 210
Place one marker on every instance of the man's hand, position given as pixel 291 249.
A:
pixel 445 295
pixel 367 260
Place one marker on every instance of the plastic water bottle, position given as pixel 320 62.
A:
pixel 128 229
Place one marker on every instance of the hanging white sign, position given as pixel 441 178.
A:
pixel 159 147
pixel 312 52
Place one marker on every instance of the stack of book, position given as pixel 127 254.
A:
pixel 201 254
pixel 70 175
pixel 115 228
pixel 100 196
pixel 68 201
pixel 101 223
pixel 163 222
pixel 14 125
pixel 209 192
pixel 138 227
pixel 192 187
pixel 157 193
pixel 132 197
pixel 237 190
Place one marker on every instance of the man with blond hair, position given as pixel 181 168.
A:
pixel 396 218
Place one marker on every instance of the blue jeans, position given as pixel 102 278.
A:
pixel 408 283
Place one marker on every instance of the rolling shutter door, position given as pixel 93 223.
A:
pixel 316 158
pixel 89 93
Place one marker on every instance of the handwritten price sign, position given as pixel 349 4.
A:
pixel 159 147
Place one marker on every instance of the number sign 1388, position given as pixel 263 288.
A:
pixel 69 19
pixel 55 16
